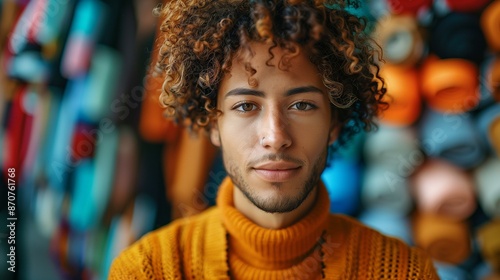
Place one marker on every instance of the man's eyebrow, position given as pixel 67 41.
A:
pixel 305 89
pixel 247 91
pixel 244 91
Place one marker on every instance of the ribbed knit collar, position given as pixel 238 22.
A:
pixel 272 248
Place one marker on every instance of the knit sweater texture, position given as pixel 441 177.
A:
pixel 221 243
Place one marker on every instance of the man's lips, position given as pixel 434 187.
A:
pixel 277 165
pixel 277 171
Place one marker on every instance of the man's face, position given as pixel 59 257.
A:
pixel 274 136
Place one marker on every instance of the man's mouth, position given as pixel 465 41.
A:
pixel 277 171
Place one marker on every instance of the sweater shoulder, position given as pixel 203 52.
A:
pixel 159 253
pixel 372 255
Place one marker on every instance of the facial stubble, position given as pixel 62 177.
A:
pixel 282 204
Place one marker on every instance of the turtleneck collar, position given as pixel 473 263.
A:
pixel 272 248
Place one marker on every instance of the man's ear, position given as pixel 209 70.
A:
pixel 215 135
pixel 334 134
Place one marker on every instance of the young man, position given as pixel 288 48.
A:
pixel 274 82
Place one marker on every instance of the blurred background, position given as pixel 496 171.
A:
pixel 97 166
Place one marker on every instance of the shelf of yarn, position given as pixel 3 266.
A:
pixel 429 174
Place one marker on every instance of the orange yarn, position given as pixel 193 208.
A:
pixel 489 243
pixel 403 95
pixel 490 19
pixel 450 85
pixel 196 248
pixel 444 239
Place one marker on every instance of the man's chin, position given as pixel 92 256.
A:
pixel 281 209
pixel 275 201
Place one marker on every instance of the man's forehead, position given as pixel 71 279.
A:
pixel 264 67
pixel 258 54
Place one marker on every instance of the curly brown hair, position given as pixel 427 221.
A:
pixel 200 37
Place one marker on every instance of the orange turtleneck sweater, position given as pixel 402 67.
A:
pixel 221 243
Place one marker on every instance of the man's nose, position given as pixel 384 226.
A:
pixel 274 131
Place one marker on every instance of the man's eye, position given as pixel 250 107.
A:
pixel 245 107
pixel 303 106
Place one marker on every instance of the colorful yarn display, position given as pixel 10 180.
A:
pixel 457 35
pixel 343 182
pixel 450 85
pixel 490 19
pixel 450 160
pixel 403 96
pixel 493 79
pixel 389 223
pixel 401 37
pixel 81 121
pixel 443 189
pixel 445 240
pixel 488 122
pixel 487 186
pixel 490 243
pixel 452 137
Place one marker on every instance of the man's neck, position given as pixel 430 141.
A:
pixel 272 220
